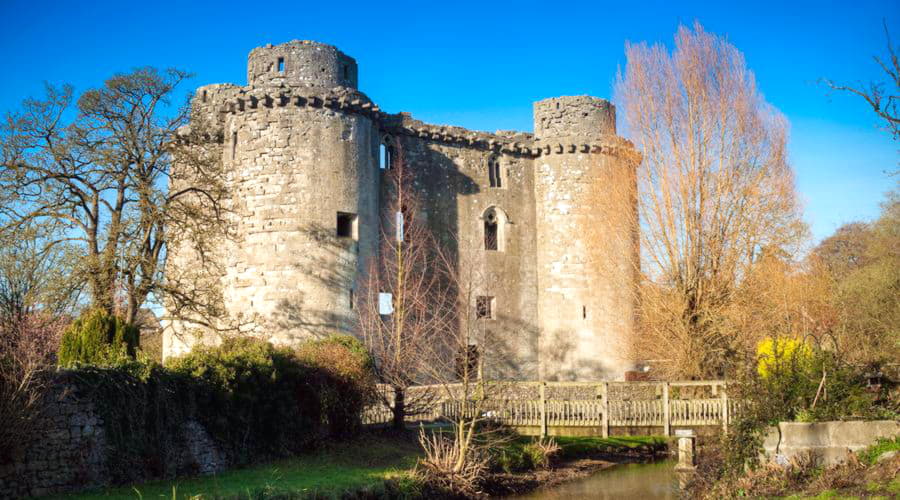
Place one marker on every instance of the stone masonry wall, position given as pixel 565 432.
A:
pixel 454 186
pixel 69 452
pixel 302 144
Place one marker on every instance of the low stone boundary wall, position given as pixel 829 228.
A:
pixel 830 442
pixel 69 453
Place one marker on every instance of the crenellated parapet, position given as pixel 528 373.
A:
pixel 226 99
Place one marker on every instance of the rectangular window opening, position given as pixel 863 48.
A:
pixel 484 307
pixel 281 65
pixel 346 225
pixel 467 362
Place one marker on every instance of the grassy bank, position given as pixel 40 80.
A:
pixel 364 463
pixel 871 473
pixel 361 465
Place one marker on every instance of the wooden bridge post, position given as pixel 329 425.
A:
pixel 724 410
pixel 667 416
pixel 604 391
pixel 543 409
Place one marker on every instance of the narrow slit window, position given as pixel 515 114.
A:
pixel 233 144
pixel 203 97
pixel 484 307
pixel 385 155
pixel 583 312
pixel 346 225
pixel 494 173
pixel 281 65
pixel 351 299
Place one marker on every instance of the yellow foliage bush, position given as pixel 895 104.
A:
pixel 774 353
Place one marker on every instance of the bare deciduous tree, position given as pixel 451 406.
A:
pixel 103 175
pixel 407 268
pixel 882 97
pixel 36 302
pixel 714 189
pixel 458 367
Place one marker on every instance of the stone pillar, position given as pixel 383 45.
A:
pixel 687 461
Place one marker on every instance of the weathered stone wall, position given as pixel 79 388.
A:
pixel 456 193
pixel 287 274
pixel 586 252
pixel 570 116
pixel 829 442
pixel 302 62
pixel 70 450
pixel 302 145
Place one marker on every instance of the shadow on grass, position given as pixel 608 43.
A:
pixel 364 463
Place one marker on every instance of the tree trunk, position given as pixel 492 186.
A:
pixel 399 408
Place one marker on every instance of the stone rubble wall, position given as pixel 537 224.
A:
pixel 69 452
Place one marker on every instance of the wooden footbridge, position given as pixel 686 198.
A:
pixel 581 408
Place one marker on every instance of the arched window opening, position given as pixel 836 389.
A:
pixel 386 154
pixel 495 172
pixel 494 228
pixel 490 234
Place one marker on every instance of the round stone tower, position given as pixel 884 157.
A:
pixel 303 181
pixel 587 251
pixel 301 63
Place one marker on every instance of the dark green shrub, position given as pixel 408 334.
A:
pixel 99 338
pixel 347 377
pixel 256 400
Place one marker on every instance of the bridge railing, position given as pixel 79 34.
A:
pixel 598 405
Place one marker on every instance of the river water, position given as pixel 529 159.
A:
pixel 628 481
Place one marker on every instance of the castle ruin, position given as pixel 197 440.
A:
pixel 306 151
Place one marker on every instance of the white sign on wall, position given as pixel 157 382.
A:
pixel 385 304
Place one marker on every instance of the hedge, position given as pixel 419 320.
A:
pixel 256 402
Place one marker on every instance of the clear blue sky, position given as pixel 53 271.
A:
pixel 480 65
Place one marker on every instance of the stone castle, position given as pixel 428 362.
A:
pixel 305 153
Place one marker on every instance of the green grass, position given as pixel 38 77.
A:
pixel 574 447
pixel 517 455
pixel 363 463
pixel 883 445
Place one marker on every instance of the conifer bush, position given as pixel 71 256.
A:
pixel 98 338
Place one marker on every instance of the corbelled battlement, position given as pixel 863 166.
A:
pixel 224 99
